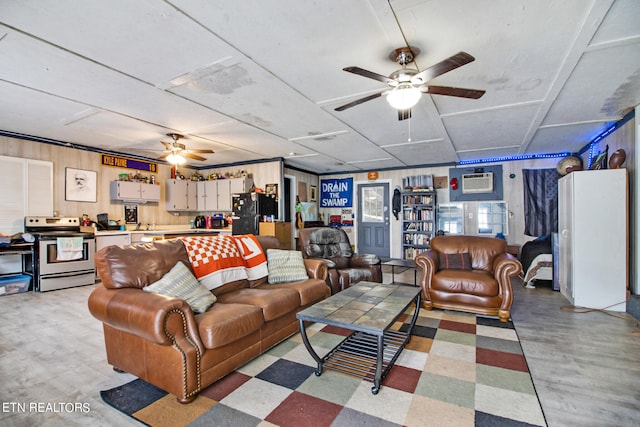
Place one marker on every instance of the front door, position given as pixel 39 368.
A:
pixel 373 219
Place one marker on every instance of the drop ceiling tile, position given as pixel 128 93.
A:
pixel 501 127
pixel 571 138
pixel 620 23
pixel 423 153
pixel 604 86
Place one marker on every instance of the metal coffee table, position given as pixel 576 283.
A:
pixel 369 310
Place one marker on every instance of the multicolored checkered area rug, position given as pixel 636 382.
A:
pixel 457 370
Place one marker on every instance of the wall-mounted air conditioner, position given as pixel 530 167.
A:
pixel 477 183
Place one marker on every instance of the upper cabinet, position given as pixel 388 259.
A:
pixel 181 195
pixel 240 185
pixel 134 191
pixel 216 195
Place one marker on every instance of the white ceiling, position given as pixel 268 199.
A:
pixel 260 79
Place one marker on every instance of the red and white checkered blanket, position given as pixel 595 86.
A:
pixel 217 260
pixel 255 261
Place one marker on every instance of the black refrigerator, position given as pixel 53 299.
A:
pixel 251 208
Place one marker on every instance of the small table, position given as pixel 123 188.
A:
pixel 368 309
pixel 397 262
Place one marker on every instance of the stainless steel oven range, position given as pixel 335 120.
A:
pixel 63 255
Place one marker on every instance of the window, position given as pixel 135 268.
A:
pixel 477 218
pixel 492 218
pixel 451 218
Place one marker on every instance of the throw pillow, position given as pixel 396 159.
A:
pixel 180 283
pixel 255 263
pixel 455 261
pixel 215 260
pixel 285 266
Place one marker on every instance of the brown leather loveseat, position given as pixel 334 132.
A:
pixel 468 273
pixel 345 268
pixel 162 341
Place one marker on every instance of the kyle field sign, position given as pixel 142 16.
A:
pixel 336 193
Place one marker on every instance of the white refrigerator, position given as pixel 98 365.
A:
pixel 593 238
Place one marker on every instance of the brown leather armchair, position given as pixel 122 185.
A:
pixel 478 279
pixel 332 245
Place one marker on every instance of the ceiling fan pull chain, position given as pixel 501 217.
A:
pixel 409 121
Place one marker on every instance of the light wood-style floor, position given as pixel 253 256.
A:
pixel 585 367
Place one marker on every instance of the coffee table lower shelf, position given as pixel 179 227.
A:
pixel 364 355
pixel 357 355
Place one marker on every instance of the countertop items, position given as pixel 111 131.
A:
pixel 168 233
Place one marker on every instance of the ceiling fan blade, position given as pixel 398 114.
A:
pixel 192 156
pixel 201 151
pixel 404 114
pixel 360 101
pixel 449 64
pixel 453 91
pixel 371 75
pixel 164 156
pixel 167 145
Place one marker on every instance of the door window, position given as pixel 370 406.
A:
pixel 372 204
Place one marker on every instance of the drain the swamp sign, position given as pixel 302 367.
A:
pixel 336 193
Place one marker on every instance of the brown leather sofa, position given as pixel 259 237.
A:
pixel 332 245
pixel 481 286
pixel 160 339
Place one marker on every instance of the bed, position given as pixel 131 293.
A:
pixel 536 257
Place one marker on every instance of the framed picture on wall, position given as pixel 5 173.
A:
pixel 80 185
pixel 313 191
pixel 271 189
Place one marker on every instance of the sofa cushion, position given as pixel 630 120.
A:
pixel 273 302
pixel 461 261
pixel 310 290
pixel 180 283
pixel 225 323
pixel 470 282
pixel 285 266
pixel 215 260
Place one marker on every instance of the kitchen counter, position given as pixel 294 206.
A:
pixel 107 237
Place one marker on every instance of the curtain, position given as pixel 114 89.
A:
pixel 540 201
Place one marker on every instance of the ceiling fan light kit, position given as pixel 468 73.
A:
pixel 408 84
pixel 176 159
pixel 177 153
pixel 404 96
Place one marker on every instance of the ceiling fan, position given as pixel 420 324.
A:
pixel 407 84
pixel 176 153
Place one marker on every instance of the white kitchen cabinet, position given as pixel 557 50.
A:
pixel 215 195
pixel 105 240
pixel 208 195
pixel 181 195
pixel 134 191
pixel 593 238
pixel 240 185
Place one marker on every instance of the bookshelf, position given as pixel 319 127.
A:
pixel 418 221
